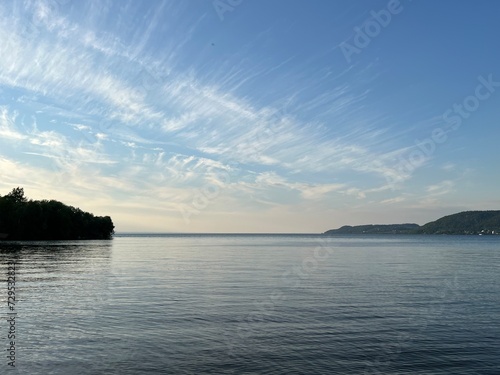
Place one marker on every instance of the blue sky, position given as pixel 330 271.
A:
pixel 252 116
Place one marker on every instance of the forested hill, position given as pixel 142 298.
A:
pixel 376 229
pixel 468 222
pixel 23 219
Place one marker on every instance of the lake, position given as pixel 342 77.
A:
pixel 252 304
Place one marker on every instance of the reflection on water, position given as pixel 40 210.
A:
pixel 220 305
pixel 46 265
pixel 59 288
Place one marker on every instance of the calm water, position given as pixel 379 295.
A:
pixel 198 304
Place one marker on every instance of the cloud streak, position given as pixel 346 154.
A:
pixel 149 106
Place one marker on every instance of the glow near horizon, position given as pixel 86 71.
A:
pixel 185 117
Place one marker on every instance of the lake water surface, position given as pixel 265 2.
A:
pixel 254 304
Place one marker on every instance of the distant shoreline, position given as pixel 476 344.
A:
pixel 463 223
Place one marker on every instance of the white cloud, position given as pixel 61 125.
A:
pixel 209 118
pixel 169 138
pixel 442 188
pixel 393 200
pixel 8 128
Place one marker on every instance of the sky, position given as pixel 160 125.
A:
pixel 252 116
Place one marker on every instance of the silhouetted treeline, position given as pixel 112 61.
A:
pixel 23 219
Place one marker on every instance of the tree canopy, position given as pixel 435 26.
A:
pixel 468 222
pixel 23 219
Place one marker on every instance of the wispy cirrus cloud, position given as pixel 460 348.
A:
pixel 163 100
pixel 7 125
pixel 211 121
pixel 442 188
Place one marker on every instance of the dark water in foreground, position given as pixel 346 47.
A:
pixel 198 304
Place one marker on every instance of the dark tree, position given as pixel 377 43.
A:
pixel 17 195
pixel 23 219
